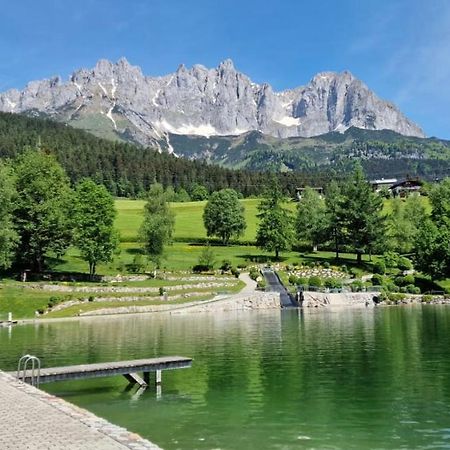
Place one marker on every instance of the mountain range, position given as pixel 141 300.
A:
pixel 117 101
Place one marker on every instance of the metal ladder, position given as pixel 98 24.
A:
pixel 35 368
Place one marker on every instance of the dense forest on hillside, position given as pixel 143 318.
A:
pixel 382 153
pixel 127 170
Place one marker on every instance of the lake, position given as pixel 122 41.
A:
pixel 376 378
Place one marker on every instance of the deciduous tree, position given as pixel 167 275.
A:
pixel 93 219
pixel 42 213
pixel 224 215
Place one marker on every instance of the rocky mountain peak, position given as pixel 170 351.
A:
pixel 117 100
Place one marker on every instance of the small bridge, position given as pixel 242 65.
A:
pixel 128 369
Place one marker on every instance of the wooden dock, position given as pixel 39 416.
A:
pixel 128 369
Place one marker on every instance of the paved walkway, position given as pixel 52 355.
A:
pixel 32 419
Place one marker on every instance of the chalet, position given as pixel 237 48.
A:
pixel 406 187
pixel 378 185
pixel 299 191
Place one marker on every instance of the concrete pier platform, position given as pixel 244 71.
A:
pixel 32 419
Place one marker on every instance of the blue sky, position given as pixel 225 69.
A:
pixel 400 48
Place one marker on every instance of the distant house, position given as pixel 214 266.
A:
pixel 406 187
pixel 378 185
pixel 299 191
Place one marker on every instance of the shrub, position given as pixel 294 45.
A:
pixel 293 279
pixel 226 265
pixel 326 265
pixel 392 287
pixel 199 268
pixel 427 298
pixel 91 298
pixel 333 283
pixel 235 272
pixel 242 266
pixel 404 281
pixel 261 284
pixel 161 291
pixel 357 286
pixel 302 281
pixel 379 267
pixel 391 259
pixel 254 274
pixel 344 268
pixel 394 297
pixel 411 289
pixel 377 280
pixel 315 281
pixel 404 263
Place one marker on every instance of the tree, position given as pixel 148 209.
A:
pixel 275 231
pixel 311 218
pixel 365 225
pixel 335 225
pixel 224 215
pixel 157 227
pixel 403 223
pixel 42 211
pixel 199 193
pixel 93 218
pixel 433 250
pixel 433 238
pixel 8 235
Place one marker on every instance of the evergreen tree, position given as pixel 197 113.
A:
pixel 335 222
pixel 93 217
pixel 157 227
pixel 275 231
pixel 365 225
pixel 311 218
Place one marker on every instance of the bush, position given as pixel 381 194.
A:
pixel 262 284
pixel 391 259
pixel 242 266
pixel 404 263
pixel 235 272
pixel 427 298
pixel 379 267
pixel 392 287
pixel 357 286
pixel 344 268
pixel 315 281
pixel 393 297
pixel 377 280
pixel 302 281
pixel 326 265
pixel 226 265
pixel 161 291
pixel 293 279
pixel 411 289
pixel 254 274
pixel 404 281
pixel 91 298
pixel 333 283
pixel 199 268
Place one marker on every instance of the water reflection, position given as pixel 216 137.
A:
pixel 368 378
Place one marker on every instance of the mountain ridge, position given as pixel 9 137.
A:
pixel 117 101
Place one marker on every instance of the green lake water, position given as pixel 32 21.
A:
pixel 353 379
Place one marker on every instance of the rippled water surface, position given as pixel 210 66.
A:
pixel 360 379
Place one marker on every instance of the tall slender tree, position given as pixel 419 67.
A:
pixel 275 231
pixel 157 227
pixel 93 222
pixel 8 235
pixel 311 218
